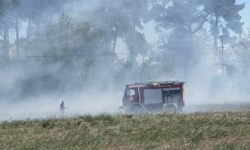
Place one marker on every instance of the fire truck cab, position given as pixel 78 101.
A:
pixel 151 96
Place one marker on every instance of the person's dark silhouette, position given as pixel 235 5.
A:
pixel 62 108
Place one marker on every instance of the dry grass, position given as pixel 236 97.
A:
pixel 162 131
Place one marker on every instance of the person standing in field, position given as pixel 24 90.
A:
pixel 62 108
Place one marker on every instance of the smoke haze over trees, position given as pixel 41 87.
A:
pixel 50 47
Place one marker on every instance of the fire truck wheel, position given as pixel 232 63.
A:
pixel 170 108
pixel 136 109
pixel 120 110
pixel 180 108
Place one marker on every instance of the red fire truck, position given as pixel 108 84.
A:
pixel 151 96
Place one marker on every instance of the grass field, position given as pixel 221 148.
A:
pixel 162 131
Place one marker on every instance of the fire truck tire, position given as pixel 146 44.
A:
pixel 170 108
pixel 180 108
pixel 136 109
pixel 120 110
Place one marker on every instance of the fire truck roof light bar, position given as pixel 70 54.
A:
pixel 163 82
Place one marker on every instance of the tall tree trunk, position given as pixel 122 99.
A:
pixel 115 39
pixel 216 32
pixel 6 41
pixel 17 37
pixel 188 58
pixel 28 33
pixel 132 48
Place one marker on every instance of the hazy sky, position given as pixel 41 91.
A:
pixel 246 13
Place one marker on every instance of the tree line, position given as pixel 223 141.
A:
pixel 72 41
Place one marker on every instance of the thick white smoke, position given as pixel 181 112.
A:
pixel 101 93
